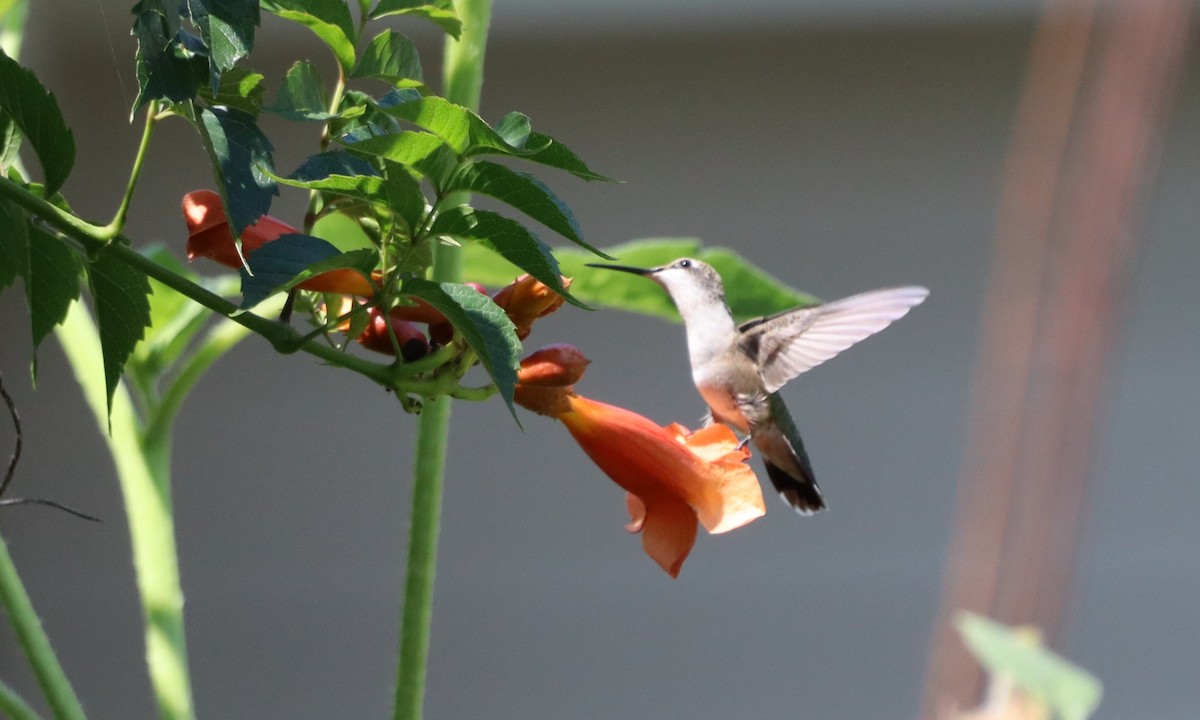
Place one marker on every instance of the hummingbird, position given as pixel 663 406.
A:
pixel 739 369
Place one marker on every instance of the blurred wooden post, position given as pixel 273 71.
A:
pixel 1063 240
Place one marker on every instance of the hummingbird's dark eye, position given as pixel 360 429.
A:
pixel 685 263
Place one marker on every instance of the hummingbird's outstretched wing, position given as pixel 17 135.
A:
pixel 787 344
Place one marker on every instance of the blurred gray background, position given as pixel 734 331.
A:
pixel 841 145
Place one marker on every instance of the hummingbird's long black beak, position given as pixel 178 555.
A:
pixel 623 268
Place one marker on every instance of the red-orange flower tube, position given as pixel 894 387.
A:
pixel 526 299
pixel 209 236
pixel 674 478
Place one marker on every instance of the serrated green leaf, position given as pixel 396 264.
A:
pixel 120 294
pixel 393 58
pixel 328 19
pixel 458 127
pixel 1067 689
pixel 244 164
pixel 749 291
pixel 484 326
pixel 14 244
pixel 523 192
pixel 508 238
pixel 514 129
pixel 425 153
pixel 227 29
pixel 36 113
pixel 358 112
pixel 239 88
pixel 293 258
pixel 552 153
pixel 171 65
pixel 440 13
pixel 55 273
pixel 348 175
pixel 10 142
pixel 302 96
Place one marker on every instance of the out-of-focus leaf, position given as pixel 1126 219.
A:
pixel 55 274
pixel 120 293
pixel 391 57
pixel 174 320
pixel 508 238
pixel 36 113
pixel 14 244
pixel 749 291
pixel 244 164
pixel 440 13
pixel 10 142
pixel 329 19
pixel 1067 689
pixel 484 326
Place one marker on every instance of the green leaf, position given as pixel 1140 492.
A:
pixel 458 127
pixel 55 273
pixel 523 192
pixel 359 116
pixel 1070 691
pixel 514 129
pixel 391 57
pixel 484 326
pixel 36 113
pixel 348 175
pixel 554 154
pixel 239 88
pixel 120 294
pixel 749 291
pixel 423 152
pixel 244 164
pixel 293 258
pixel 14 244
pixel 329 19
pixel 440 13
pixel 508 238
pixel 10 142
pixel 227 28
pixel 302 96
pixel 171 64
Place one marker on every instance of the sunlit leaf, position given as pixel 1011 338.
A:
pixel 390 57
pixel 227 28
pixel 424 152
pixel 302 96
pixel 484 326
pixel 553 153
pixel 329 19
pixel 36 113
pixel 239 88
pixel 440 13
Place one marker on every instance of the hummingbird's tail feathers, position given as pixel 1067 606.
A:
pixel 800 493
pixel 791 343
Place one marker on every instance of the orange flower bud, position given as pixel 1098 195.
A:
pixel 411 340
pixel 210 236
pixel 553 365
pixel 526 299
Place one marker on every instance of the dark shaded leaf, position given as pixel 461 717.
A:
pixel 55 274
pixel 508 238
pixel 440 13
pixel 10 141
pixel 293 258
pixel 174 320
pixel 14 244
pixel 359 116
pixel 120 293
pixel 391 57
pixel 302 96
pixel 749 291
pixel 239 88
pixel 36 113
pixel 242 153
pixel 329 19
pixel 171 65
pixel 227 28
pixel 484 326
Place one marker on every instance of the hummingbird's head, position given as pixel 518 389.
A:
pixel 689 282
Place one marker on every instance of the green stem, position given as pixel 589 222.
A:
pixel 35 643
pixel 115 227
pixel 145 486
pixel 12 706
pixel 464 80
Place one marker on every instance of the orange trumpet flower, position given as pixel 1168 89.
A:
pixel 675 479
